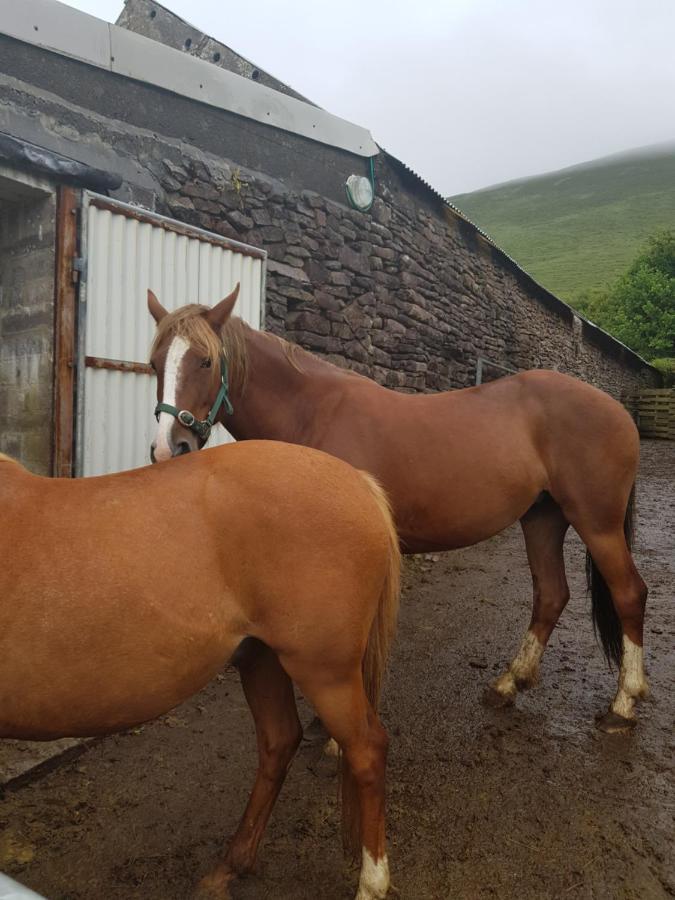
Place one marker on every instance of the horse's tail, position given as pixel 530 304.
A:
pixel 384 624
pixel 606 622
pixel 375 659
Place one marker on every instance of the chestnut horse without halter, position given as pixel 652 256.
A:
pixel 458 466
pixel 121 596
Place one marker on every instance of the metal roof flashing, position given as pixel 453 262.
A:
pixel 61 29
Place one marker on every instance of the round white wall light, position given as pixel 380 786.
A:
pixel 360 192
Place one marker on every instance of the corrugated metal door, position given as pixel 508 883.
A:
pixel 127 250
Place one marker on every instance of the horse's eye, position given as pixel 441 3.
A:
pixel 206 364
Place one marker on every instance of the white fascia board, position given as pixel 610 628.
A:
pixel 55 26
pixel 62 29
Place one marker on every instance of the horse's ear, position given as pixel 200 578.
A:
pixel 157 311
pixel 222 311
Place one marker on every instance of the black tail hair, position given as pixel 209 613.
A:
pixel 606 623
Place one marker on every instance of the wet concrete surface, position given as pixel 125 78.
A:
pixel 526 803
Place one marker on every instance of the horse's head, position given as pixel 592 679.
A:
pixel 188 358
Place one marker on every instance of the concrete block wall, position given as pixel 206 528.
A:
pixel 27 265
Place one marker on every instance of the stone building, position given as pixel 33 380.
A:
pixel 154 113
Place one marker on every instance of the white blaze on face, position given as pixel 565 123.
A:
pixel 174 357
pixel 374 881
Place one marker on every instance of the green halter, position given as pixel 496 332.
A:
pixel 202 427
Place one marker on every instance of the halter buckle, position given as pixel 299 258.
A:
pixel 186 418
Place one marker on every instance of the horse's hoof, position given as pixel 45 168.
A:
pixel 331 748
pixel 212 893
pixel 214 886
pixel 612 723
pixel 496 700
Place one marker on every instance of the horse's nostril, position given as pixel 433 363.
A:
pixel 152 453
pixel 182 448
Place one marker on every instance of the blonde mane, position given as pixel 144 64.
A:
pixel 290 350
pixel 189 322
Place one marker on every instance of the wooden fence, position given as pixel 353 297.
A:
pixel 654 412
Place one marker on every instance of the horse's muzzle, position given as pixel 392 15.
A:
pixel 179 449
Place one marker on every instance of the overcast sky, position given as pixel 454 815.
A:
pixel 467 92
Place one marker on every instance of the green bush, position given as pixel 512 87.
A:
pixel 666 367
pixel 590 303
pixel 639 309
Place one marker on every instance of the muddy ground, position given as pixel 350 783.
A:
pixel 528 803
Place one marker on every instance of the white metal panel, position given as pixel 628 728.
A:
pixel 127 252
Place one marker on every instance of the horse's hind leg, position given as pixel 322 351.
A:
pixel 628 596
pixel 544 527
pixel 270 696
pixel 343 708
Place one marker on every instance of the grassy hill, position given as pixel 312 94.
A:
pixel 579 228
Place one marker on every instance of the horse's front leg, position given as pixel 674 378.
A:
pixel 544 528
pixel 269 693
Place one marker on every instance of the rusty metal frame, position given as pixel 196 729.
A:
pixel 174 226
pixel 65 333
pixel 118 365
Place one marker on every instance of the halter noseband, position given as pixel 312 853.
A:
pixel 202 427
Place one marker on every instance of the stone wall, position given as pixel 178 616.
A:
pixel 408 293
pixel 27 262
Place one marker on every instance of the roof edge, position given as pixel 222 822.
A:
pixel 551 300
pixel 136 11
pixel 58 28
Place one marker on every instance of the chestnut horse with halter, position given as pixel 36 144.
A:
pixel 123 595
pixel 458 466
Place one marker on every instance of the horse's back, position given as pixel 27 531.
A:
pixel 141 585
pixel 462 465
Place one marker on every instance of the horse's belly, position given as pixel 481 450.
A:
pixel 450 519
pixel 81 678
pixel 95 707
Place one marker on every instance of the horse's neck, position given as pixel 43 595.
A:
pixel 277 400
